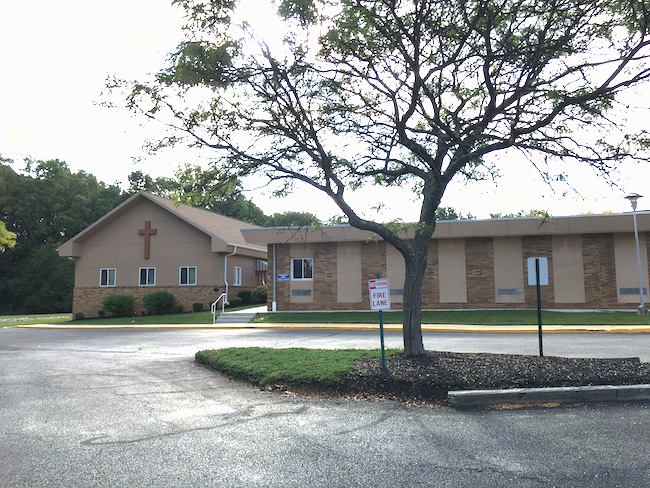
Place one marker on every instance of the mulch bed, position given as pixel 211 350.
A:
pixel 428 378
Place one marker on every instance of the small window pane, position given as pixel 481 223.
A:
pixel 297 269
pixel 308 271
pixel 237 275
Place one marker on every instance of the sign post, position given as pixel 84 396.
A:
pixel 538 276
pixel 380 300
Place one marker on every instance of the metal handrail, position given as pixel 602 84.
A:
pixel 213 308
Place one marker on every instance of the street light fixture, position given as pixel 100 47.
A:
pixel 633 198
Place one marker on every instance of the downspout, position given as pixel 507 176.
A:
pixel 274 306
pixel 225 269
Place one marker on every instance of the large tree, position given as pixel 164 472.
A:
pixel 401 92
pixel 43 207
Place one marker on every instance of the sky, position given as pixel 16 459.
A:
pixel 56 57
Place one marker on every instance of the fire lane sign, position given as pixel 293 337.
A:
pixel 379 294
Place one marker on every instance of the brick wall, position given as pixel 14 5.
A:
pixel 89 300
pixel 283 265
pixel 479 258
pixel 598 265
pixel 599 271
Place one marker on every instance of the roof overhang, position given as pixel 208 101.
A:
pixel 450 229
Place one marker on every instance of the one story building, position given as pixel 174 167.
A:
pixel 149 244
pixel 475 264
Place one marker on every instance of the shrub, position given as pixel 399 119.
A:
pixel 197 307
pixel 259 294
pixel 118 305
pixel 235 302
pixel 79 316
pixel 101 313
pixel 158 302
pixel 177 309
pixel 245 296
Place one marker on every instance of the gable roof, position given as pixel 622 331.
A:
pixel 225 232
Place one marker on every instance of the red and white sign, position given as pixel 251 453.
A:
pixel 379 294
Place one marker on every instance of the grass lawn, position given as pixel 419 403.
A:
pixel 261 366
pixel 52 318
pixel 463 317
pixel 66 319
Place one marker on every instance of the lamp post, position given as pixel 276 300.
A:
pixel 633 198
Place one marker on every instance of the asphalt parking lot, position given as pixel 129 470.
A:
pixel 131 408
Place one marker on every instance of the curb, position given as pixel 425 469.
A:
pixel 563 394
pixel 483 329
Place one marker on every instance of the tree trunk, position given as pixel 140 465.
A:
pixel 416 265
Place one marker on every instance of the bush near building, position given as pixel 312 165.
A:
pixel 118 305
pixel 159 302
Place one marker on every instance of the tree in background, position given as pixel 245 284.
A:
pixel 45 207
pixel 292 219
pixel 161 186
pixel 408 93
pixel 7 239
pixel 542 214
pixel 450 213
pixel 218 192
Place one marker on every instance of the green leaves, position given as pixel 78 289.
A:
pixel 305 11
pixel 7 238
pixel 201 63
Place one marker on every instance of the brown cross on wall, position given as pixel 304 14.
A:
pixel 147 232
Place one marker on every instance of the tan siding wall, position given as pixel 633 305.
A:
pixel 373 261
pixel 119 245
pixel 508 271
pixel 451 265
pixel 348 272
pixel 298 288
pixel 568 269
pixel 538 247
pixel 395 270
pixel 627 270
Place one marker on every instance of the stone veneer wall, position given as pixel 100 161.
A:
pixel 89 300
pixel 598 266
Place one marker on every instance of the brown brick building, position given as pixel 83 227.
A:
pixel 591 262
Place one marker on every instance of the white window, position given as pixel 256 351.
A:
pixel 147 276
pixel 302 269
pixel 107 277
pixel 236 276
pixel 187 275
